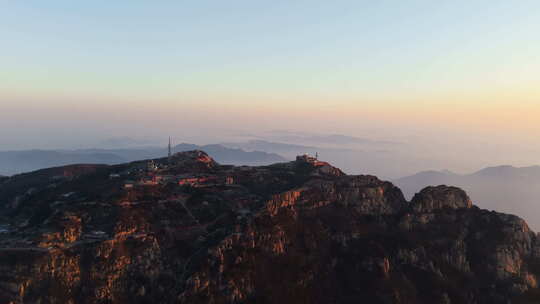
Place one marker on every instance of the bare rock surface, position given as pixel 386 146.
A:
pixel 189 230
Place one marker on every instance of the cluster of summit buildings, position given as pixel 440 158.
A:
pixel 313 160
pixel 150 174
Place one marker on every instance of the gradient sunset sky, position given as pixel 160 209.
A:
pixel 71 70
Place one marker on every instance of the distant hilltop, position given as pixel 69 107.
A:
pixel 507 189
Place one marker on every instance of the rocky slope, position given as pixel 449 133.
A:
pixel 504 188
pixel 194 231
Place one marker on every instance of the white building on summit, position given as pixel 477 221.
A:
pixel 306 158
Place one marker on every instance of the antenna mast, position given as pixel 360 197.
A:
pixel 170 154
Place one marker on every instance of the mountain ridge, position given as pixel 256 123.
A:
pixel 13 162
pixel 191 230
pixel 503 188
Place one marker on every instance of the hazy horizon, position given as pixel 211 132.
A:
pixel 456 82
pixel 387 159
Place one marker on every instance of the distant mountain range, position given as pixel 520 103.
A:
pixel 235 156
pixel 503 188
pixel 335 140
pixel 13 162
pixel 275 147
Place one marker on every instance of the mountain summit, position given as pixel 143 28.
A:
pixel 189 230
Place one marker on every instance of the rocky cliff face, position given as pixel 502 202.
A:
pixel 286 233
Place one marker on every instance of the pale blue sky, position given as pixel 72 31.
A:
pixel 104 47
pixel 70 60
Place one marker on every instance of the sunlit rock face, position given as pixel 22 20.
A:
pixel 286 233
pixel 436 198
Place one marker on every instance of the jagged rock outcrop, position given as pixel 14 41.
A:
pixel 286 233
pixel 432 199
